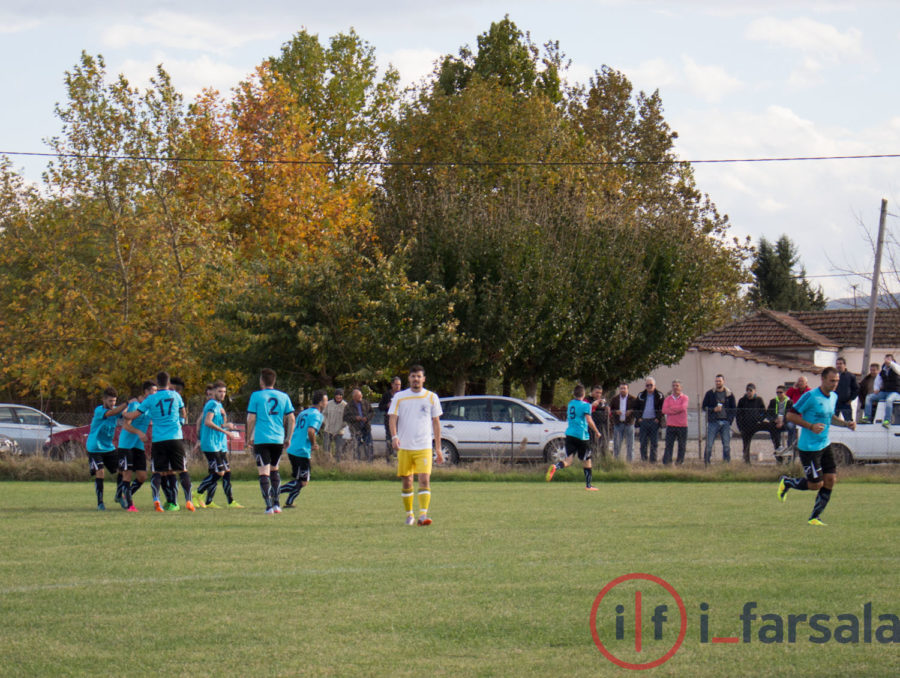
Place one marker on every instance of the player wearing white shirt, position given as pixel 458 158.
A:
pixel 415 424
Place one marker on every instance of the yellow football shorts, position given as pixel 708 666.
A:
pixel 413 461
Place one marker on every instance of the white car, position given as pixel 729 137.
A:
pixel 870 442
pixel 29 427
pixel 501 428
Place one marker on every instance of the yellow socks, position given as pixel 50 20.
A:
pixel 424 501
pixel 407 501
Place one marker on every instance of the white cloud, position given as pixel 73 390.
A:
pixel 808 36
pixel 579 73
pixel 653 74
pixel 10 24
pixel 711 83
pixel 818 44
pixel 412 64
pixel 181 31
pixel 189 76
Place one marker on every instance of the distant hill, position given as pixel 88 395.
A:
pixel 884 301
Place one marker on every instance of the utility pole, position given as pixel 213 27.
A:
pixel 873 300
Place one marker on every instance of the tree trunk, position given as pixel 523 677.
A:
pixel 459 385
pixel 547 389
pixel 507 386
pixel 530 385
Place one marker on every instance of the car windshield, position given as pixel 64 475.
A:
pixel 31 417
pixel 546 414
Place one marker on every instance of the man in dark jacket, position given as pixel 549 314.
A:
pixel 622 407
pixel 719 405
pixel 750 415
pixel 847 391
pixel 649 417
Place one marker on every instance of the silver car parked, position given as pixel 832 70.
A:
pixel 501 428
pixel 29 427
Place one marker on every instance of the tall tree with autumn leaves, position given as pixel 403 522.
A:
pixel 108 271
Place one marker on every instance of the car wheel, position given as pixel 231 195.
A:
pixel 555 451
pixel 842 454
pixel 451 456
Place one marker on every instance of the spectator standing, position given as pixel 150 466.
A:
pixel 622 409
pixel 384 405
pixel 675 409
pixel 719 405
pixel 649 416
pixel 600 415
pixel 334 424
pixel 358 416
pixel 867 386
pixel 847 391
pixel 750 415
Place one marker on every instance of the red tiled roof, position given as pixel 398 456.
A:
pixel 765 329
pixel 807 329
pixel 847 327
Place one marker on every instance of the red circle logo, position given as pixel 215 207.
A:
pixel 654 580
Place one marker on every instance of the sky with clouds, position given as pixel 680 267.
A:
pixel 766 79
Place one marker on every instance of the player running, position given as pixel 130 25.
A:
pixel 214 432
pixel 270 422
pixel 101 451
pixel 302 443
pixel 578 438
pixel 166 410
pixel 814 414
pixel 414 418
pixel 131 446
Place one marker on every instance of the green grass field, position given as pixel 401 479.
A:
pixel 501 585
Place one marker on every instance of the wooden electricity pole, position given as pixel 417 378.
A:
pixel 873 299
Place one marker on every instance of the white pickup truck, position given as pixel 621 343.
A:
pixel 870 442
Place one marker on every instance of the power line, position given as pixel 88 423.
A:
pixel 867 274
pixel 452 163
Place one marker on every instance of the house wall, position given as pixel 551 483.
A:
pixel 697 371
pixel 854 357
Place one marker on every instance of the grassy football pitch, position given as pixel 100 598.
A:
pixel 502 584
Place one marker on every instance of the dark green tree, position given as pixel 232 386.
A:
pixel 779 281
pixel 557 269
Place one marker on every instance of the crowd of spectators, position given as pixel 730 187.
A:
pixel 651 412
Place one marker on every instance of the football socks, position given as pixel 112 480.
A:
pixel 265 487
pixel 275 482
pixel 821 502
pixel 424 501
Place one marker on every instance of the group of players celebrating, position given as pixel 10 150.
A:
pixel 270 422
pixel 272 429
